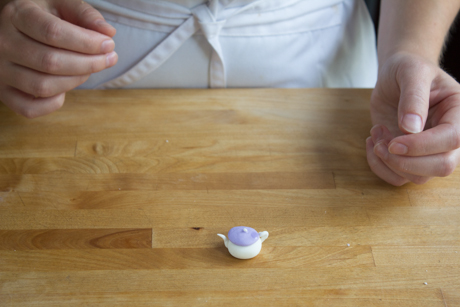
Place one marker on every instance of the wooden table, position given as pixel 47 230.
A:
pixel 116 200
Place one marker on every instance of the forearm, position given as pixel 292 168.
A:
pixel 415 26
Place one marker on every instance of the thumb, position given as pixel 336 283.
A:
pixel 84 15
pixel 414 79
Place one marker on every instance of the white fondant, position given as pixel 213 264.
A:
pixel 245 252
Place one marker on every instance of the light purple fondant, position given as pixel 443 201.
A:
pixel 243 236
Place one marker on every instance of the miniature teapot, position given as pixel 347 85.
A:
pixel 244 242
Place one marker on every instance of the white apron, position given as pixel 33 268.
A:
pixel 239 43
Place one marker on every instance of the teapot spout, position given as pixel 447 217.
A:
pixel 225 239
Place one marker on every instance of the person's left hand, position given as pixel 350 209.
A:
pixel 415 109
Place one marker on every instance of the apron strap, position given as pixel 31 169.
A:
pixel 156 57
pixel 211 29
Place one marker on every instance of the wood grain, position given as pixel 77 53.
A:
pixel 146 199
pixel 186 216
pixel 343 297
pixel 14 148
pixel 183 258
pixel 117 198
pixel 199 181
pixel 10 198
pixel 75 239
pixel 224 279
pixel 416 256
pixel 402 236
pixel 451 296
pixel 169 164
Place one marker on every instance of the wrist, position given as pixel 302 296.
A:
pixel 401 60
pixel 408 49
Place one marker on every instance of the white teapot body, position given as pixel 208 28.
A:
pixel 245 250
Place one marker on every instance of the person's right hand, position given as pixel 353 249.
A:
pixel 48 47
pixel 415 108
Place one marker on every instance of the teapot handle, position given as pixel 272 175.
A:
pixel 263 235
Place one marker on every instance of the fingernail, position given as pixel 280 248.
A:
pixel 380 149
pixel 369 142
pixel 398 149
pixel 376 133
pixel 412 123
pixel 107 46
pixel 111 59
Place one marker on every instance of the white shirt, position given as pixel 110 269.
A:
pixel 239 43
pixel 187 3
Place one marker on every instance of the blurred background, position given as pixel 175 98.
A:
pixel 449 61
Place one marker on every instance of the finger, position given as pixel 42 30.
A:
pixel 440 139
pixel 410 177
pixel 54 61
pixel 53 31
pixel 414 80
pixel 28 106
pixel 379 133
pixel 37 83
pixel 440 165
pixel 379 168
pixel 84 15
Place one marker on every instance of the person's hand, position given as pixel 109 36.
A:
pixel 415 109
pixel 48 47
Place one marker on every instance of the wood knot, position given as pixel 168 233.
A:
pixel 99 148
pixel 197 228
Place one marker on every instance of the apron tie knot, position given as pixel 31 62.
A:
pixel 210 18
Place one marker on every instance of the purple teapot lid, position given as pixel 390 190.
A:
pixel 243 236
